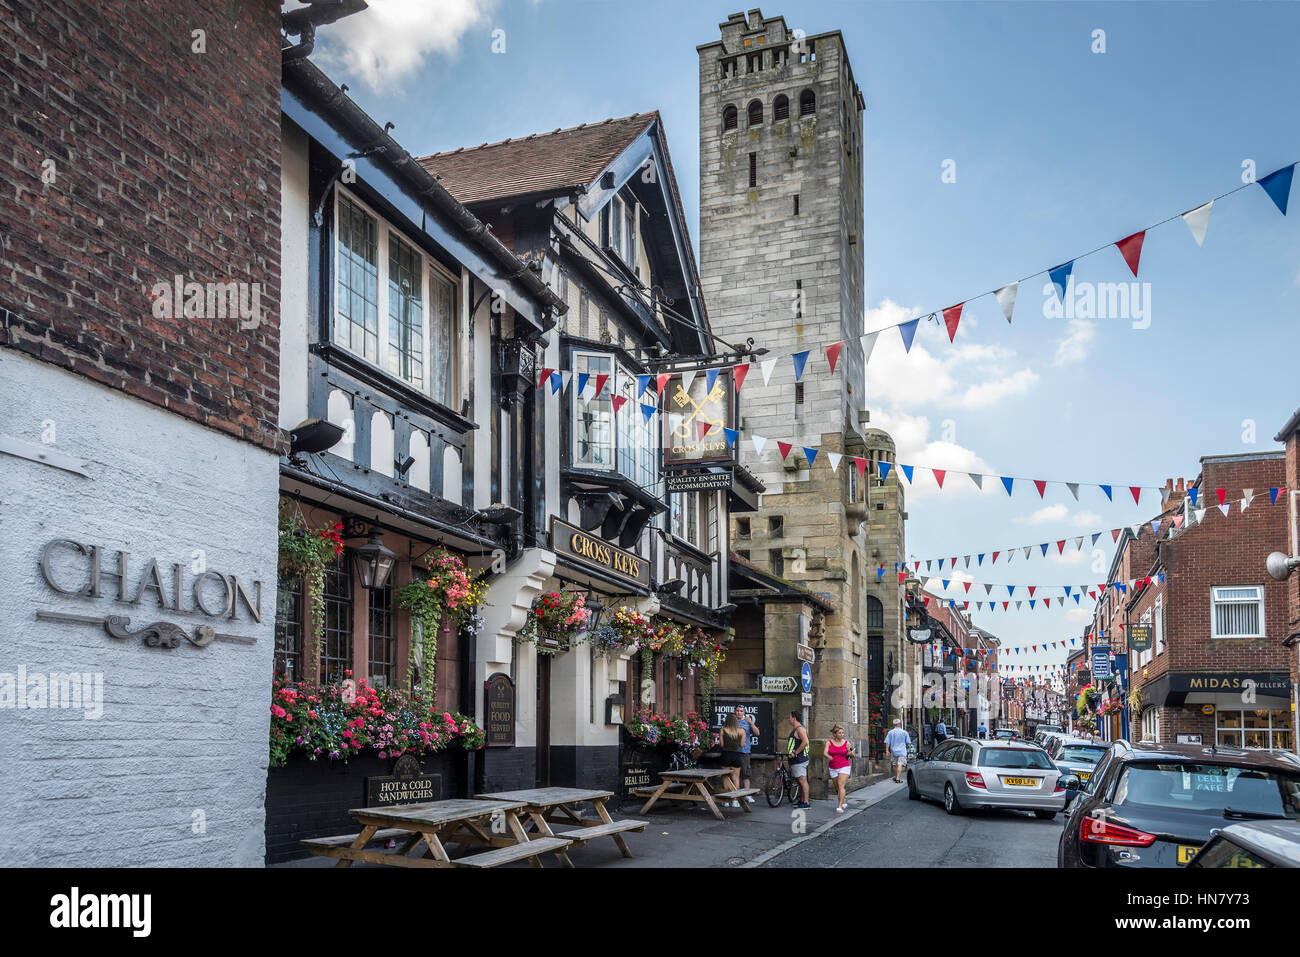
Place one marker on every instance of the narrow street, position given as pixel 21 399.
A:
pixel 897 832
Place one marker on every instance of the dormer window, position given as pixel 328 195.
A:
pixel 618 230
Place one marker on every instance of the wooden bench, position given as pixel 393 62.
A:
pixel 581 835
pixel 515 852
pixel 345 840
pixel 737 794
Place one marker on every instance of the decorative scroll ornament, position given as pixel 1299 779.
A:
pixel 159 634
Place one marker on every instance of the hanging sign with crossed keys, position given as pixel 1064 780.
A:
pixel 694 417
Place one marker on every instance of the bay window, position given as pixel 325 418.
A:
pixel 601 439
pixel 413 316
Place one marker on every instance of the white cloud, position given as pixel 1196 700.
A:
pixel 390 40
pixel 913 443
pixel 991 393
pixel 1060 513
pixel 1071 555
pixel 1078 614
pixel 1074 347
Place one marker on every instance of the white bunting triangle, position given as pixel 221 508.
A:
pixel 834 459
pixel 1224 508
pixel 988 589
pixel 1164 496
pixel 1028 549
pixel 868 343
pixel 759 441
pixel 1198 221
pixel 1006 297
pixel 1200 515
pixel 565 378
pixel 1074 489
pixel 977 478
pixel 1078 543
pixel 675 420
pixel 767 365
pixel 1136 530
pixel 967 557
pixel 687 379
pixel 1247 496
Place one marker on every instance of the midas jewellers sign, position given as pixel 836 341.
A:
pixel 569 540
pixel 92 571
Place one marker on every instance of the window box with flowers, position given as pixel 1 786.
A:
pixel 303 554
pixel 557 621
pixel 442 590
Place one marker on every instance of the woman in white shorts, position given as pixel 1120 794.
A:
pixel 839 751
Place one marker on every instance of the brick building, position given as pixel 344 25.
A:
pixel 1216 668
pixel 1289 435
pixel 139 324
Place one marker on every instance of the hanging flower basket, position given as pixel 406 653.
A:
pixel 556 622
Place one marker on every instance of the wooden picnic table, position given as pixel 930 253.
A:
pixel 560 806
pixel 695 784
pixel 437 823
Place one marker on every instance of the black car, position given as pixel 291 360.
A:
pixel 1154 805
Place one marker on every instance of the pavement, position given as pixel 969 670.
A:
pixel 880 828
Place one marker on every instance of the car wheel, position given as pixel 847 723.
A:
pixel 950 800
pixel 1044 815
pixel 912 793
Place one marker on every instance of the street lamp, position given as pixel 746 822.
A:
pixel 373 562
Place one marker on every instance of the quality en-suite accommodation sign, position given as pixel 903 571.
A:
pixel 573 542
pixel 694 418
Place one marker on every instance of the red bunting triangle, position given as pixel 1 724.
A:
pixel 618 402
pixel 1041 485
pixel 995 556
pixel 952 316
pixel 833 353
pixel 1137 492
pixel 600 384
pixel 1130 247
pixel 1114 534
pixel 703 428
pixel 738 373
pixel 1222 493
pixel 785 448
pixel 663 381
pixel 1005 604
pixel 1091 593
pixel 967 584
pixel 1060 547
pixel 927 603
pixel 938 475
pixel 861 465
pixel 1047 603
pixel 1031 590
pixel 546 374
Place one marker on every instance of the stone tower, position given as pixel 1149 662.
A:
pixel 781 199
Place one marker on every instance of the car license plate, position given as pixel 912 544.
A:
pixel 1083 775
pixel 1022 782
pixel 1186 852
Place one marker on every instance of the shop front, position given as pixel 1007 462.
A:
pixel 1251 710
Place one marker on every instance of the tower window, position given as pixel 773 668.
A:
pixel 807 103
pixel 776 526
pixel 778 562
pixel 742 528
pixel 753 170
pixel 796 204
pixel 781 108
pixel 755 112
pixel 798 393
pixel 729 120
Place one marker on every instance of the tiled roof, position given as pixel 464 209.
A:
pixel 541 163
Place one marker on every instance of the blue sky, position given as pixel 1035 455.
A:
pixel 1057 150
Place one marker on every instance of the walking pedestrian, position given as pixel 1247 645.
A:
pixel 839 751
pixel 732 739
pixel 897 741
pixel 983 730
pixel 940 732
pixel 797 749
pixel 751 734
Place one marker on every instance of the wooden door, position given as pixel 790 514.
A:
pixel 543 777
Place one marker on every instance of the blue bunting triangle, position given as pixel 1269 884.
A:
pixel 1106 489
pixel 1060 277
pixel 647 411
pixel 1278 186
pixel 1043 547
pixel 1076 599
pixel 1193 493
pixel 907 470
pixel 981 561
pixel 582 381
pixel 810 455
pixel 1067 591
pixel 642 383
pixel 1011 590
pixel 800 358
pixel 1031 603
pixel 945 583
pixel 1007 480
pixel 941 561
pixel 557 380
pixel 731 435
pixel 908 331
pixel 884 470
pixel 710 380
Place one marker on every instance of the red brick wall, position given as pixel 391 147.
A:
pixel 166 161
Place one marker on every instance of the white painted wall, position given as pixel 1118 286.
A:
pixel 183 734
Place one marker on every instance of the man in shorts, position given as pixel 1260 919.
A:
pixel 897 742
pixel 797 749
pixel 751 732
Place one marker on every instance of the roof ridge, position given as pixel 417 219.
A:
pixel 555 132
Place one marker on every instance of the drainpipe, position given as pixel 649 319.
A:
pixel 302 23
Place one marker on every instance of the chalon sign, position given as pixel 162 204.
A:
pixel 158 592
pixel 597 553
pixel 694 419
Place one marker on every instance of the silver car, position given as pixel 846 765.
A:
pixel 967 773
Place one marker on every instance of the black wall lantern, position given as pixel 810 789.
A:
pixel 373 562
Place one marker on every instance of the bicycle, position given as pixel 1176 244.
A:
pixel 681 760
pixel 782 784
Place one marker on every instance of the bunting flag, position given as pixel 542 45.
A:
pixel 738 373
pixel 759 443
pixel 908 331
pixel 1272 495
pixel 977 479
pixel 766 367
pixel 618 402
pixel 834 458
pixel 907 472
pixel 1278 186
pixel 710 380
pixel 1106 489
pixel 1130 247
pixel 1198 221
pixel 687 379
pixel 1060 277
pixel 952 316
pixel 702 428
pixel 546 374
pixel 600 383
pixel 810 455
pixel 938 477
pixel 1041 486
pixel 1006 297
pixel 642 383
pixel 800 360
pixel 662 380
pixel 1193 494
pixel 886 466
pixel 1007 481
pixel 833 354
pixel 647 411
pixel 1222 494
pixel 785 448
pixel 731 436
pixel 868 344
